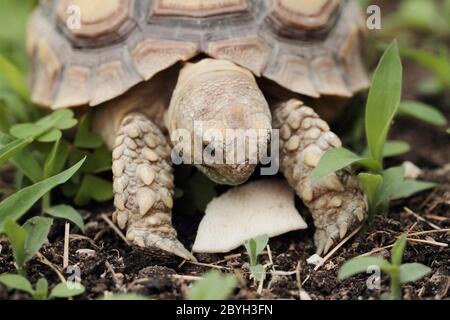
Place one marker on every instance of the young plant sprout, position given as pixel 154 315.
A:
pixel 254 248
pixel 40 292
pixel 398 273
pixel 213 286
pixel 381 185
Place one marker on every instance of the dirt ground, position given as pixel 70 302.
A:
pixel 109 265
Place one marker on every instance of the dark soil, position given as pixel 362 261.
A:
pixel 109 265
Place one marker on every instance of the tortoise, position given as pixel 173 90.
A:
pixel 154 67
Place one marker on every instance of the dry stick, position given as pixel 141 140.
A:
pixel 113 274
pixel 421 218
pixel 231 257
pixel 433 243
pixel 437 218
pixel 375 251
pixel 45 261
pixel 409 239
pixel 269 253
pixel 429 232
pixel 66 245
pixel 208 265
pixel 330 254
pixel 114 227
pixel 183 277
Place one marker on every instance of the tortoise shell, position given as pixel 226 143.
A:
pixel 86 52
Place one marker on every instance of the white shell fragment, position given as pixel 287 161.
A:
pixel 412 172
pixel 242 213
pixel 314 260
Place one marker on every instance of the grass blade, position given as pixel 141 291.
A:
pixel 15 206
pixel 383 101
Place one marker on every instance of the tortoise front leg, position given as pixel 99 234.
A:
pixel 337 202
pixel 143 186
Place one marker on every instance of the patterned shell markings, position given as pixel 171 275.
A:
pixel 311 47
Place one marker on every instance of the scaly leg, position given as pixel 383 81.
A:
pixel 143 186
pixel 337 202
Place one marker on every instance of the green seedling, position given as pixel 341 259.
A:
pixel 16 205
pixel 254 248
pixel 213 286
pixel 123 296
pixel 380 185
pixel 398 273
pixel 27 240
pixel 40 292
pixel 423 112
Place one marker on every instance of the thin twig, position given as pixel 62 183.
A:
pixel 437 218
pixel 433 243
pixel 45 261
pixel 187 278
pixel 375 251
pixel 418 217
pixel 428 232
pixel 330 254
pixel 66 245
pixel 114 227
pixel 269 254
pixel 208 265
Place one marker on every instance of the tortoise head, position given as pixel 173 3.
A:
pixel 220 119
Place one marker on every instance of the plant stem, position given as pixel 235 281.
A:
pixel 396 290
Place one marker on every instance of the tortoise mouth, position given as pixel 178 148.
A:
pixel 231 175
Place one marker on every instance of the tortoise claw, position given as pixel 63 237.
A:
pixel 154 243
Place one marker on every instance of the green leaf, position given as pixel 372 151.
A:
pixel 15 206
pixel 17 237
pixel 17 282
pixel 41 289
pixel 97 162
pixel 66 290
pixel 13 76
pixel 67 213
pixel 93 188
pixel 255 246
pixel 423 112
pixel 397 250
pixel 61 119
pixel 214 286
pixel 383 101
pixel 360 265
pixel 25 160
pixel 410 272
pixel 411 187
pixel 395 148
pixel 37 229
pixel 85 138
pixel 47 129
pixel 57 158
pixel 371 183
pixel 52 135
pixel 392 180
pixel 337 159
pixel 17 109
pixel 437 64
pixel 11 149
pixel 258 272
